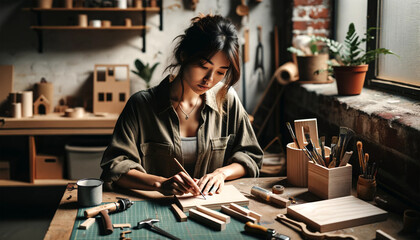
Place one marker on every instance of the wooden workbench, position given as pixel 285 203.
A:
pixel 62 224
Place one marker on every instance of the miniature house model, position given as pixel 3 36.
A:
pixel 111 88
pixel 41 105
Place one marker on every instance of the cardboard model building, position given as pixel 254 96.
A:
pixel 111 88
pixel 41 106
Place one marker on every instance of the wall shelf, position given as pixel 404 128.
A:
pixel 88 28
pixel 40 27
pixel 146 9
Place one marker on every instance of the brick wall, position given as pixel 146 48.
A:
pixel 311 16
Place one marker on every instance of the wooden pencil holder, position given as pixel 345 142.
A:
pixel 366 188
pixel 297 165
pixel 329 183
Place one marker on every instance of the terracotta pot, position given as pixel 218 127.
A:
pixel 350 79
pixel 308 65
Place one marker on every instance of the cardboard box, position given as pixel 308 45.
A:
pixel 48 167
pixel 329 183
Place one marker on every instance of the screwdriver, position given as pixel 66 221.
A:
pixel 269 233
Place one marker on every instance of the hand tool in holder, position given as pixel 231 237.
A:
pixel 269 233
pixel 119 206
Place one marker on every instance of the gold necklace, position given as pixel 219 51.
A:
pixel 187 115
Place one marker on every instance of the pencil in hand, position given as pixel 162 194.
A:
pixel 183 169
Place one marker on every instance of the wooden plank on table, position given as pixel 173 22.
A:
pixel 207 220
pixel 241 217
pixel 179 214
pixel 337 213
pixel 62 223
pixel 215 214
pixel 230 194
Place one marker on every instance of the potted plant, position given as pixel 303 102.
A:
pixel 144 71
pixel 352 61
pixel 309 59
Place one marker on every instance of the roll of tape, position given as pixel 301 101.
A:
pixel 278 189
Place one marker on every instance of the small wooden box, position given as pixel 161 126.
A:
pixel 48 167
pixel 297 165
pixel 329 183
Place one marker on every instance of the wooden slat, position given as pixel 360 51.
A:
pixel 207 220
pixel 235 214
pixel 215 214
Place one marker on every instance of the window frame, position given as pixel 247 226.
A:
pixel 372 79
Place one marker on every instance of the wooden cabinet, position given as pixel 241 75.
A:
pixel 40 27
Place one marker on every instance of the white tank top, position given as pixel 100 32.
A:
pixel 189 153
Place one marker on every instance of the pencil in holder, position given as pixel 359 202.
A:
pixel 328 183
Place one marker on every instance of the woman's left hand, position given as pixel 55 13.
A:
pixel 214 180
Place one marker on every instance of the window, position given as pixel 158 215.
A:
pixel 122 97
pixel 109 97
pixel 397 25
pixel 101 97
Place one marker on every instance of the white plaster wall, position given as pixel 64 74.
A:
pixel 69 56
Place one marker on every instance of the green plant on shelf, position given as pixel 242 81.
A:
pixel 350 53
pixel 144 71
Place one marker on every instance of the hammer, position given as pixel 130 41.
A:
pixel 148 223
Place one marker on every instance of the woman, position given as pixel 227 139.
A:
pixel 192 117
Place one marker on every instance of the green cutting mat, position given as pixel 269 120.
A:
pixel 147 209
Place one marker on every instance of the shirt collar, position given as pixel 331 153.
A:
pixel 164 103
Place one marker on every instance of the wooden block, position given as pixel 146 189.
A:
pixel 381 235
pixel 86 224
pixel 207 220
pixel 239 209
pixel 121 225
pixel 282 202
pixel 313 131
pixel 179 214
pixel 215 214
pixel 337 213
pixel 255 215
pixel 238 215
pixel 230 194
pixel 329 183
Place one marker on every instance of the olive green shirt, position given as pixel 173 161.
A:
pixel 147 137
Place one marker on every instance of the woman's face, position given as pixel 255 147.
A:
pixel 206 73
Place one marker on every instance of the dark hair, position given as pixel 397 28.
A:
pixel 206 36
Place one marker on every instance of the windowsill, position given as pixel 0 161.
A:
pixel 393 108
pixel 387 124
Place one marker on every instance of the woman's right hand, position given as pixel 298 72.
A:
pixel 178 184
